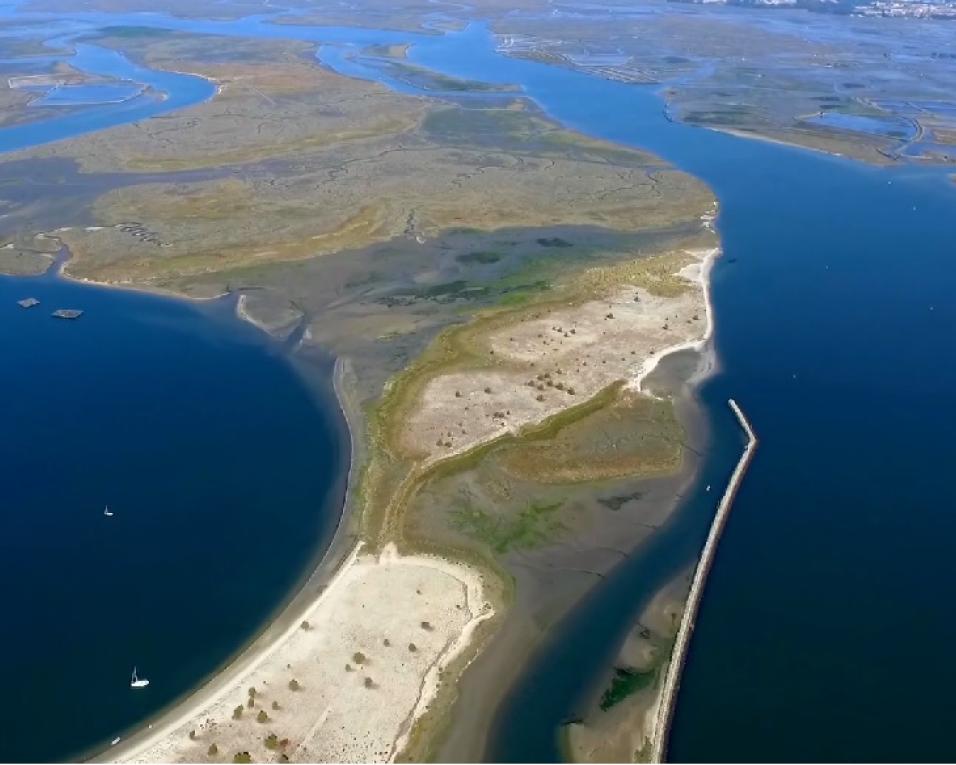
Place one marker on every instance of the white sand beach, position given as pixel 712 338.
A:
pixel 345 684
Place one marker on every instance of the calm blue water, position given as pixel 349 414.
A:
pixel 224 475
pixel 167 91
pixel 834 328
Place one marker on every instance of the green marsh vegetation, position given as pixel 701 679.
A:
pixel 535 524
pixel 626 681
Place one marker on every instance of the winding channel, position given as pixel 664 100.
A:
pixel 834 328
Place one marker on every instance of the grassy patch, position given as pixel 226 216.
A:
pixel 612 437
pixel 525 132
pixel 432 80
pixel 532 526
pixel 625 682
pixel 268 150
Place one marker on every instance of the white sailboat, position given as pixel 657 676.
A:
pixel 107 512
pixel 136 682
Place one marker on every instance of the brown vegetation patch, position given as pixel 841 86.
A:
pixel 635 435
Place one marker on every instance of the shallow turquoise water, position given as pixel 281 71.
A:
pixel 834 329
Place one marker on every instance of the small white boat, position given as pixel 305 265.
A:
pixel 708 487
pixel 115 741
pixel 136 682
pixel 107 512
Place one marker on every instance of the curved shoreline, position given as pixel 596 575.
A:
pixel 344 572
pixel 340 550
pixel 313 580
pixel 668 698
pixel 702 277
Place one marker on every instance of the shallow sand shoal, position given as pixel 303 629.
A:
pixel 365 662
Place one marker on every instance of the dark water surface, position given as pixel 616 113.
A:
pixel 835 324
pixel 223 472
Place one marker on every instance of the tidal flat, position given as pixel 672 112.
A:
pixel 488 323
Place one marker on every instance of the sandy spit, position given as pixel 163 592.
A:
pixel 698 273
pixel 347 682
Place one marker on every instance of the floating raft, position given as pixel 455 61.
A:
pixel 67 313
pixel 28 302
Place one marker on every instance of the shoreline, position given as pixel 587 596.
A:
pixel 338 564
pixel 702 278
pixel 754 136
pixel 338 579
pixel 60 260
pixel 668 696
pixel 889 161
pixel 337 571
pixel 464 740
pixel 314 581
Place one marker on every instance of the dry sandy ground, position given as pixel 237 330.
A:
pixel 367 665
pixel 556 359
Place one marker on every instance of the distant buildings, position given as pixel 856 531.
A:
pixel 918 9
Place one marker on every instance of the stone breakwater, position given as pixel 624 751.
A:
pixel 671 685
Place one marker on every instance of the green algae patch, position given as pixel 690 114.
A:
pixel 625 682
pixel 532 526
